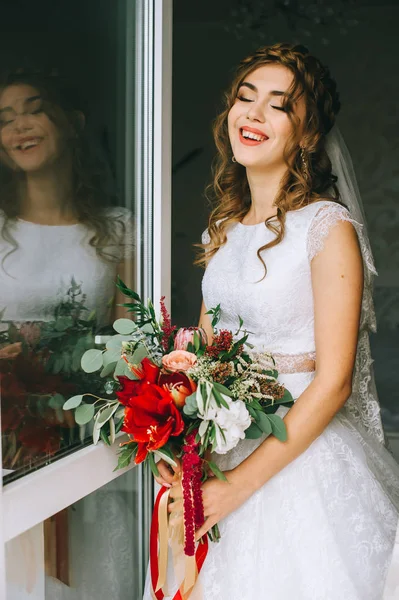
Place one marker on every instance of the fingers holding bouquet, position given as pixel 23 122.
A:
pixel 220 498
pixel 168 474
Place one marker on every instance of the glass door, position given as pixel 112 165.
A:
pixel 84 196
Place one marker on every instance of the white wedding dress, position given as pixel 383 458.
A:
pixel 324 527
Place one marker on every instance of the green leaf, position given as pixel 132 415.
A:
pixel 115 343
pixel 111 356
pixel 124 326
pixel 166 457
pixel 92 360
pixel 104 437
pixel 84 414
pixel 222 389
pixel 253 432
pixel 278 427
pixel 96 433
pixel 126 455
pixel 122 370
pixel 73 402
pixel 197 341
pixel 63 323
pixel 219 398
pixel 106 413
pixel 251 411
pixel 127 291
pixel 119 425
pixel 108 370
pixel 56 401
pixel 216 471
pixel 191 408
pixel 58 364
pixel 112 431
pixel 138 355
pixel 153 465
pixel 263 422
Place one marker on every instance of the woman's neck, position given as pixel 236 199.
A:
pixel 264 188
pixel 47 197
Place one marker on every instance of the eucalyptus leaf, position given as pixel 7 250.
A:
pixel 110 368
pixel 112 355
pixel 124 326
pixel 253 432
pixel 105 414
pixel 73 402
pixel 263 422
pixel 92 360
pixel 58 364
pixel 115 343
pixel 84 414
pixel 191 408
pixel 122 370
pixel 278 427
pixel 56 401
pixel 138 355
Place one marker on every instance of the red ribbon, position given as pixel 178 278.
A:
pixel 200 554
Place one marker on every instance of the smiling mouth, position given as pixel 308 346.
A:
pixel 28 144
pixel 251 138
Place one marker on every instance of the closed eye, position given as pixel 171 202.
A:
pixel 279 108
pixel 243 99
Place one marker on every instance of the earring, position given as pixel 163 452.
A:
pixel 305 167
pixel 233 159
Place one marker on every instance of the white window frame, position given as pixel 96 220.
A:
pixel 37 496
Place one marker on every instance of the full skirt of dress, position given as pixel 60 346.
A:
pixel 321 529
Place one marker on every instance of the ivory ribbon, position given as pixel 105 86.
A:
pixel 163 533
pixel 160 529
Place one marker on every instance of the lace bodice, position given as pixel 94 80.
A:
pixel 278 309
pixel 36 276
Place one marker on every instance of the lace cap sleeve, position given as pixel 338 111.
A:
pixel 324 220
pixel 205 238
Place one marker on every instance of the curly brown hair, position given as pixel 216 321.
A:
pixel 229 192
pixel 92 197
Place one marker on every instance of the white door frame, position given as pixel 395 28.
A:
pixel 40 494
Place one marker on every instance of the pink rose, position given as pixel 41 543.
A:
pixel 185 336
pixel 179 360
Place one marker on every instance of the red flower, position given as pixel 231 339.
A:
pixel 179 385
pixel 130 389
pixel 151 419
pixel 147 371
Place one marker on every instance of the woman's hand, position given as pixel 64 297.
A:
pixel 167 473
pixel 220 498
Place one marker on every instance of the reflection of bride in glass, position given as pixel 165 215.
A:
pixel 61 245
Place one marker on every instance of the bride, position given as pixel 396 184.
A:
pixel 313 518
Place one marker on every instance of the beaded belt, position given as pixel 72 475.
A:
pixel 295 363
pixel 289 363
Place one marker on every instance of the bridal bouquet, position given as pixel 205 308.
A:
pixel 178 395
